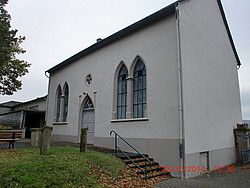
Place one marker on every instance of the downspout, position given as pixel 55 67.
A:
pixel 180 87
pixel 47 101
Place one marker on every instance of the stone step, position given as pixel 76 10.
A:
pixel 150 170
pixel 131 155
pixel 167 174
pixel 143 165
pixel 137 160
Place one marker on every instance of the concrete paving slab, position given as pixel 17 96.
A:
pixel 238 179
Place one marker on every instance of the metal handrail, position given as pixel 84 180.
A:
pixel 132 160
pixel 130 146
pixel 116 147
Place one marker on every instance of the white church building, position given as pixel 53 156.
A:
pixel 168 84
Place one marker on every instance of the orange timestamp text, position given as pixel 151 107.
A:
pixel 226 168
pixel 183 169
pixel 196 168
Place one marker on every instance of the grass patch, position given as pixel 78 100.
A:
pixel 64 167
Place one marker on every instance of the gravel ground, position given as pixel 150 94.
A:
pixel 22 143
pixel 240 178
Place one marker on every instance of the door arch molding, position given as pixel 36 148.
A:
pixel 87 118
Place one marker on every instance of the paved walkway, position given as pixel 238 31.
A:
pixel 22 143
pixel 238 179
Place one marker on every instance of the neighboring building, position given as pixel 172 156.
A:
pixel 166 82
pixel 26 115
pixel 8 106
pixel 247 122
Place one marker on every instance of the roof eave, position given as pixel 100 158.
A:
pixel 229 33
pixel 33 100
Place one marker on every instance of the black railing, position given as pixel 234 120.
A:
pixel 117 148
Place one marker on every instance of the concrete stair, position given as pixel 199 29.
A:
pixel 152 171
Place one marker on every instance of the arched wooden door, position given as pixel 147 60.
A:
pixel 88 120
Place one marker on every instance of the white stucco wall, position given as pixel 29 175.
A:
pixel 210 79
pixel 156 45
pixel 211 100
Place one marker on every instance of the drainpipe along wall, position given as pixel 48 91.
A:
pixel 180 87
pixel 47 100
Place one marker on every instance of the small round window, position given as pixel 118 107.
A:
pixel 88 79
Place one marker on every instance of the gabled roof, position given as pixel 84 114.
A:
pixel 33 100
pixel 229 33
pixel 10 104
pixel 118 35
pixel 136 27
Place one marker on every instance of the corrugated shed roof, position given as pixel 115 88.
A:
pixel 10 104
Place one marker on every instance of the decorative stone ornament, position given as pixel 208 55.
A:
pixel 88 79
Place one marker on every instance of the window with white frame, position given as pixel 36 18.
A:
pixel 139 90
pixel 65 102
pixel 58 103
pixel 122 93
pixel 131 92
pixel 61 103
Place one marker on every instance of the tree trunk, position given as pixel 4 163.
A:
pixel 45 141
pixel 83 143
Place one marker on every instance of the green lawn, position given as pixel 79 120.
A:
pixel 64 167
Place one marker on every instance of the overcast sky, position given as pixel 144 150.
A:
pixel 57 29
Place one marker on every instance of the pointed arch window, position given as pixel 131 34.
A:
pixel 58 103
pixel 122 93
pixel 65 102
pixel 139 90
